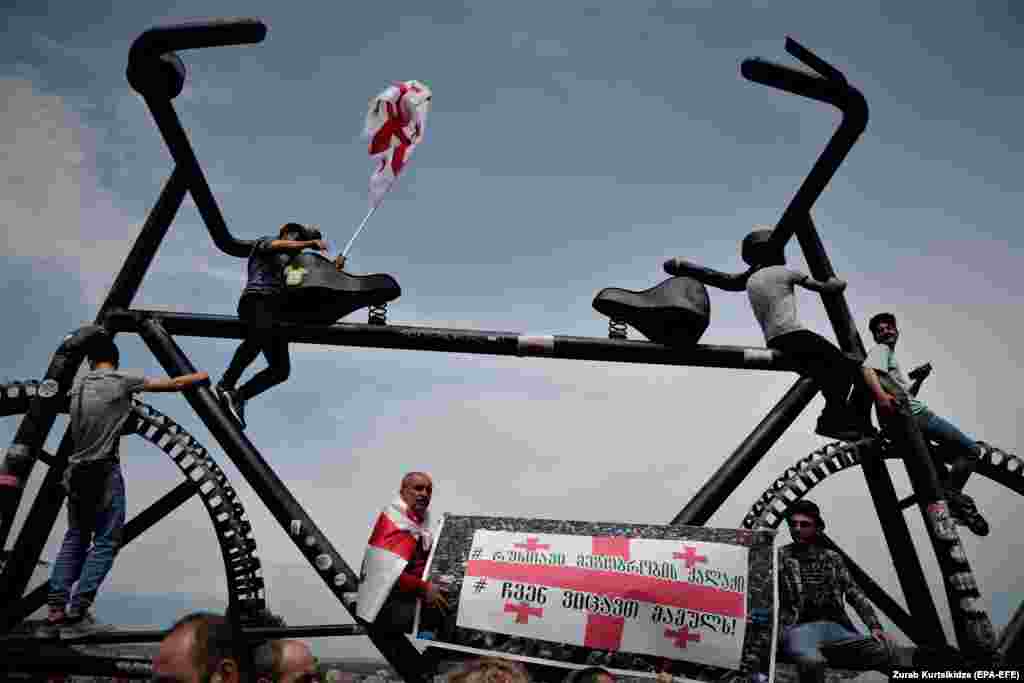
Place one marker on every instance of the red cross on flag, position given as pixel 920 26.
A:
pixel 523 611
pixel 665 598
pixel 690 556
pixel 532 545
pixel 395 124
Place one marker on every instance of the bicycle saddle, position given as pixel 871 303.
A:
pixel 674 312
pixel 317 292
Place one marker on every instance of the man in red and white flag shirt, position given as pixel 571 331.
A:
pixel 396 557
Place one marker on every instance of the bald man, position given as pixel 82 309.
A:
pixel 285 661
pixel 396 557
pixel 197 650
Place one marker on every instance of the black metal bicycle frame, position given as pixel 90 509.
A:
pixel 156 72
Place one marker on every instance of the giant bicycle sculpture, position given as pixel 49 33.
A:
pixel 675 312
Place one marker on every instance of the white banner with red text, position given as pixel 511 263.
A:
pixel 642 600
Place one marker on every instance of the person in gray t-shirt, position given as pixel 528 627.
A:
pixel 771 290
pixel 892 393
pixel 101 404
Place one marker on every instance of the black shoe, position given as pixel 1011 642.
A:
pixel 233 403
pixel 965 513
pixel 81 625
pixel 50 628
pixel 836 429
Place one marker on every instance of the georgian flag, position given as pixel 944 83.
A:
pixel 395 124
pixel 391 546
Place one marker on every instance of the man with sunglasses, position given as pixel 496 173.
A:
pixel 814 587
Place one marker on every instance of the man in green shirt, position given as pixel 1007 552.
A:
pixel 892 393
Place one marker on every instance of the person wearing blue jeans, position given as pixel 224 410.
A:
pixel 814 587
pixel 100 407
pixel 881 366
pixel 102 521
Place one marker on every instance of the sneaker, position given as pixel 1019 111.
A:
pixel 233 403
pixel 50 628
pixel 81 625
pixel 965 513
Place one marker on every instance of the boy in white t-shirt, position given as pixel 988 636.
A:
pixel 771 290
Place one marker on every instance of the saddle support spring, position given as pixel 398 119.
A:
pixel 377 314
pixel 617 329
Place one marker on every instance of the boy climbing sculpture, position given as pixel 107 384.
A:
pixel 100 406
pixel 893 393
pixel 770 287
pixel 259 308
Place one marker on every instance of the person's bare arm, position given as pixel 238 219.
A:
pixel 730 282
pixel 885 401
pixel 297 245
pixel 168 384
pixel 833 285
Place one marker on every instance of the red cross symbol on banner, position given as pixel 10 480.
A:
pixel 524 611
pixel 690 556
pixel 682 636
pixel 532 544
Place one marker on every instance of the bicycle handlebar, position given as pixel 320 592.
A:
pixel 156 73
pixel 796 81
pixel 197 34
pixel 829 86
pixel 160 43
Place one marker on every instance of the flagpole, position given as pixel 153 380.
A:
pixel 362 225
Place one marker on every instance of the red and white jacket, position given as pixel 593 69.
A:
pixel 397 539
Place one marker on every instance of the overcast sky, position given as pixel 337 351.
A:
pixel 571 146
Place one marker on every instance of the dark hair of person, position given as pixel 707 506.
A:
pixel 758 251
pixel 104 350
pixel 212 637
pixel 879 318
pixel 267 658
pixel 290 228
pixel 806 507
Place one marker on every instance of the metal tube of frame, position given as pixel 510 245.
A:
pixel 129 279
pixel 67 661
pixel 831 87
pixel 29 545
pixel 746 456
pixel 306 536
pixel 971 623
pixel 883 495
pixel 926 626
pixel 313 631
pixel 136 526
pixel 1011 641
pixel 177 141
pixel 37 423
pixel 468 341
pixel 974 632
